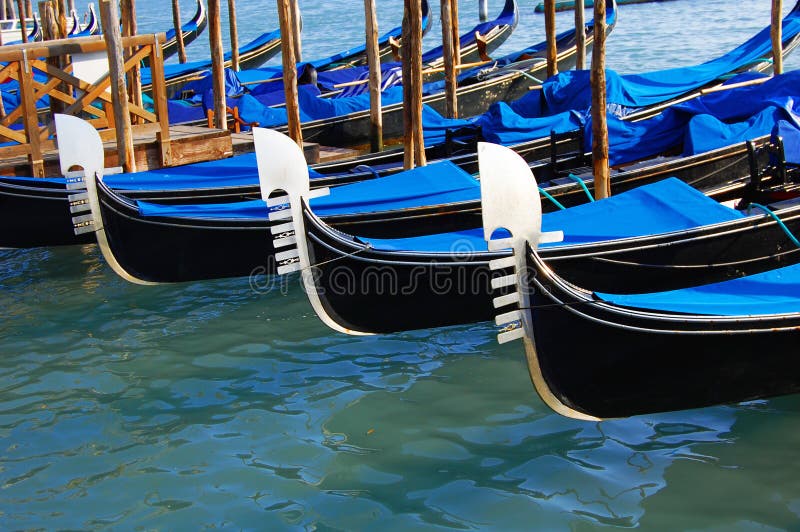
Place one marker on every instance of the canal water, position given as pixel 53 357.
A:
pixel 211 405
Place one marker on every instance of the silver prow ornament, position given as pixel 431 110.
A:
pixel 510 201
pixel 80 145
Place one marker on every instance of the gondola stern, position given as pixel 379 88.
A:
pixel 80 145
pixel 282 168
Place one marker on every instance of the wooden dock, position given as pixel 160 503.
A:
pixel 188 144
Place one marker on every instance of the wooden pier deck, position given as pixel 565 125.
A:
pixel 188 144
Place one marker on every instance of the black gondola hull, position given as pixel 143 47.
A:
pixel 608 362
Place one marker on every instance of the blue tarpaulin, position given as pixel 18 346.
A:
pixel 767 293
pixel 705 123
pixel 437 183
pixel 571 90
pixel 669 205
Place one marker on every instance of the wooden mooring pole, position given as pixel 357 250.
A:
pixel 374 62
pixel 580 36
pixel 414 142
pixel 286 13
pixel 297 22
pixel 451 52
pixel 234 34
pixel 217 64
pixel 483 10
pixel 109 15
pixel 777 37
pixel 130 29
pixel 22 20
pixel 176 23
pixel 550 32
pixel 602 183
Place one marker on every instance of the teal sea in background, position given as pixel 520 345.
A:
pixel 214 405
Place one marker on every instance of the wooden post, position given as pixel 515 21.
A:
pixel 483 10
pixel 450 55
pixel 61 18
pixel 3 11
pixel 580 36
pixel 109 14
pixel 159 93
pixel 374 62
pixel 48 21
pixel 51 31
pixel 22 20
pixel 176 22
pixel 777 37
pixel 234 31
pixel 29 9
pixel 285 15
pixel 455 32
pixel 30 117
pixel 217 64
pixel 130 29
pixel 412 84
pixel 550 32
pixel 602 183
pixel 71 6
pixel 297 23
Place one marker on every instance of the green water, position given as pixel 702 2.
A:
pixel 210 405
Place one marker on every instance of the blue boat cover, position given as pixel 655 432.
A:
pixel 767 293
pixel 437 183
pixel 571 89
pixel 176 70
pixel 705 123
pixel 790 133
pixel 669 205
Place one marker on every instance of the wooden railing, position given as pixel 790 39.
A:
pixel 30 131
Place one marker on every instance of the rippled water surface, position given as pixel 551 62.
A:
pixel 210 405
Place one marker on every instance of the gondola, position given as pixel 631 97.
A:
pixel 158 243
pixel 35 34
pixel 28 201
pixel 595 355
pixel 251 55
pixel 478 88
pixel 92 26
pixel 445 279
pixel 191 31
pixel 262 88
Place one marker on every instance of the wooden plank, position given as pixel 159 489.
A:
pixel 119 90
pixel 374 63
pixel 602 181
pixel 71 46
pixel 285 15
